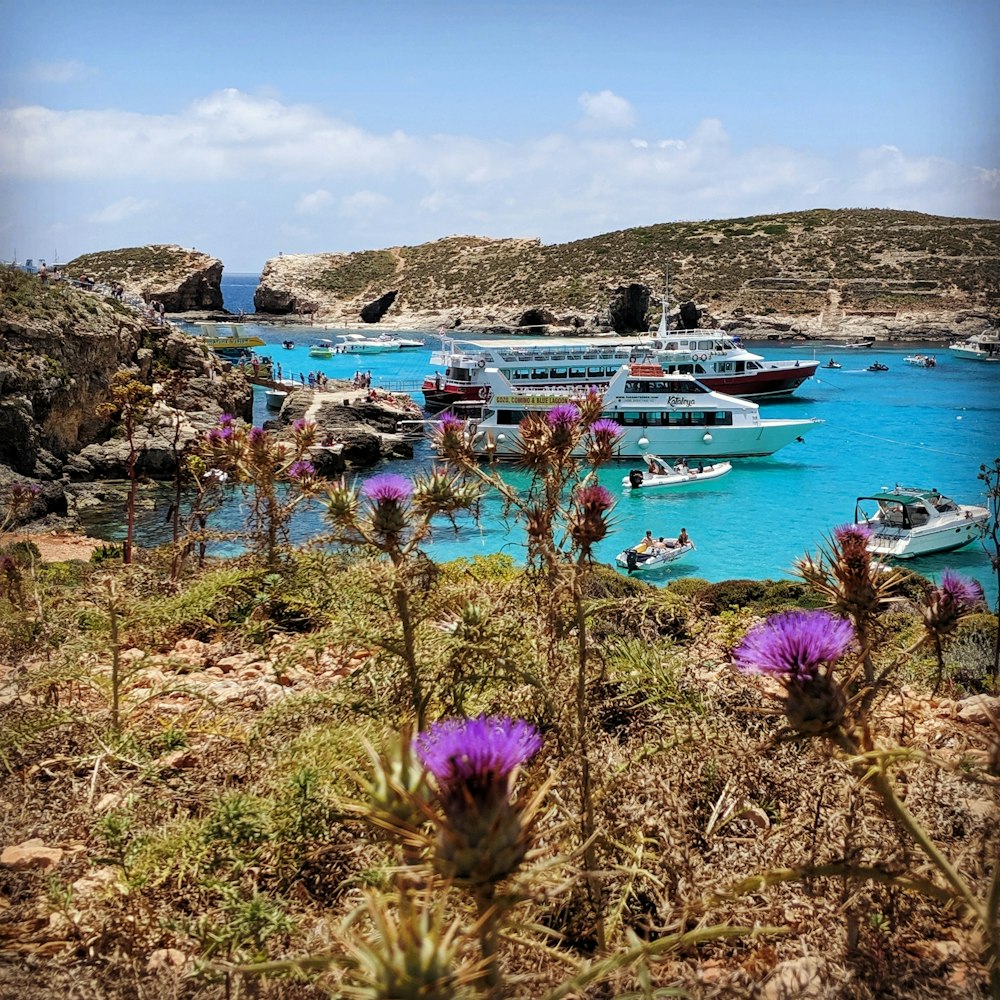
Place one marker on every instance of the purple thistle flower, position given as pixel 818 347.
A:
pixel 388 488
pixel 300 424
pixel 226 420
pixel 594 498
pixel 449 422
pixel 794 644
pixel 475 753
pixel 257 435
pixel 564 415
pixel 300 470
pixel 604 426
pixel 961 591
pixel 848 534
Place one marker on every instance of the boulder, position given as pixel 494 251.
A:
pixel 32 855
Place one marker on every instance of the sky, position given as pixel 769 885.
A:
pixel 248 130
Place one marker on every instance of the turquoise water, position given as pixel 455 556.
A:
pixel 909 425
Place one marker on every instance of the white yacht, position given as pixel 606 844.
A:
pixel 673 416
pixel 907 521
pixel 980 347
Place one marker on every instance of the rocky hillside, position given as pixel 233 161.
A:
pixel 60 347
pixel 819 272
pixel 183 280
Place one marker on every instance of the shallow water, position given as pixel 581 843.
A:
pixel 909 425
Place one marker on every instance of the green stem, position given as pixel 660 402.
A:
pixel 883 785
pixel 488 929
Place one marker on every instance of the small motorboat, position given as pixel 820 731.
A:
pixel 907 522
pixel 288 344
pixel 274 398
pixel 878 367
pixel 654 553
pixel 860 343
pixel 323 349
pixel 832 364
pixel 921 360
pixel 659 473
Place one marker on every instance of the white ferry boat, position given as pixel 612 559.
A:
pixel 713 357
pixel 980 347
pixel 907 522
pixel 671 415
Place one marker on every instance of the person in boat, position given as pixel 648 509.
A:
pixel 681 466
pixel 647 543
pixel 656 468
pixel 683 538
pixel 701 467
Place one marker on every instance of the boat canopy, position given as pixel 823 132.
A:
pixel 906 499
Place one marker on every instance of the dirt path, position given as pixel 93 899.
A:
pixel 57 546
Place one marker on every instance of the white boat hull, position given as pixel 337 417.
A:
pixel 644 561
pixel 690 443
pixel 893 542
pixel 274 398
pixel 651 480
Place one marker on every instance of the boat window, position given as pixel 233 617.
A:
pixel 724 366
pixel 540 373
pixel 559 373
pixel 509 417
pixel 706 345
pixel 595 373
pixel 520 375
pixel 685 369
pixel 654 419
pixel 676 418
pixel 719 418
pixel 632 418
pixel 698 418
pixel 459 375
pixel 699 370
pixel 577 373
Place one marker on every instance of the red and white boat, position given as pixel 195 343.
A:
pixel 718 360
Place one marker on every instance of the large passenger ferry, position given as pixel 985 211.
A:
pixel 672 415
pixel 716 359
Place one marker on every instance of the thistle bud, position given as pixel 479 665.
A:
pixel 604 435
pixel 946 605
pixel 589 523
pixel 482 838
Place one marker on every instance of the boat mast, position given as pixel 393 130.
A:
pixel 666 298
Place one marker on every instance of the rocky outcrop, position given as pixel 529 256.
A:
pixel 60 348
pixel 183 280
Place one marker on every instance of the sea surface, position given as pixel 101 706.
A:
pixel 908 425
pixel 237 292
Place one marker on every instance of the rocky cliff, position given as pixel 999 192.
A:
pixel 818 274
pixel 59 350
pixel 183 280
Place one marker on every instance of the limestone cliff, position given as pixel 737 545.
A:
pixel 60 348
pixel 821 273
pixel 183 280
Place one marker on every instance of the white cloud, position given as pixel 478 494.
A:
pixel 124 208
pixel 63 71
pixel 606 109
pixel 232 155
pixel 314 202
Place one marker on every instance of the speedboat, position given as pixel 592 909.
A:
pixel 659 473
pixel 356 343
pixel 288 344
pixel 907 522
pixel 980 347
pixel 675 416
pixel 878 367
pixel 921 360
pixel 652 554
pixel 323 349
pixel 860 343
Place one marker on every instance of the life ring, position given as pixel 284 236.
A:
pixel 481 363
pixel 483 392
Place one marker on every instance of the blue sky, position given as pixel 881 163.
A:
pixel 250 129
